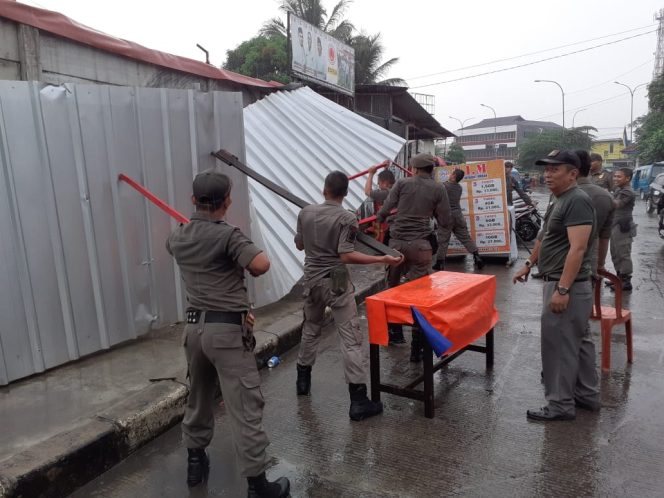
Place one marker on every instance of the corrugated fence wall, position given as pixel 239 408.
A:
pixel 82 259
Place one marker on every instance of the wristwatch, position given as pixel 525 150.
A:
pixel 529 263
pixel 563 291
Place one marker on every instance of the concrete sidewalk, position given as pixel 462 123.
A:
pixel 67 426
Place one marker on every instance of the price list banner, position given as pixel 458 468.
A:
pixel 484 206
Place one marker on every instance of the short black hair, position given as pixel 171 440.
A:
pixel 336 184
pixel 509 164
pixel 458 174
pixel 584 158
pixel 595 157
pixel 627 172
pixel 386 176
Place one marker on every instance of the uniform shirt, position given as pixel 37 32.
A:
pixel 417 199
pixel 572 208
pixel 511 185
pixel 603 204
pixel 326 231
pixel 454 192
pixel 624 199
pixel 379 195
pixel 212 256
pixel 603 178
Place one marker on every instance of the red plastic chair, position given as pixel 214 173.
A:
pixel 609 317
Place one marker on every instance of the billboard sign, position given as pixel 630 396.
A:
pixel 484 205
pixel 320 58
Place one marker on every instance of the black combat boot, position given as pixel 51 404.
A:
pixel 362 407
pixel 416 346
pixel 260 487
pixel 439 265
pixel 479 262
pixel 395 333
pixel 198 466
pixel 303 383
pixel 627 283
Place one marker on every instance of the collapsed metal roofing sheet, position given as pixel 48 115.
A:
pixel 295 139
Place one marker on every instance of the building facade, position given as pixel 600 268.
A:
pixel 612 151
pixel 498 138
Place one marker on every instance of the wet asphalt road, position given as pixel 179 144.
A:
pixel 478 444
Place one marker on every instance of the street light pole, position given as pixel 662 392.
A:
pixel 495 135
pixel 574 117
pixel 561 91
pixel 631 107
pixel 461 123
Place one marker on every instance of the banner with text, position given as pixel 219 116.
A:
pixel 484 206
pixel 320 58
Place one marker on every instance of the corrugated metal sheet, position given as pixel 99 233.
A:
pixel 82 258
pixel 295 139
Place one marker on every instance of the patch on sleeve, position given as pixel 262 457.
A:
pixel 352 234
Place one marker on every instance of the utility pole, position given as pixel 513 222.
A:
pixel 495 135
pixel 631 107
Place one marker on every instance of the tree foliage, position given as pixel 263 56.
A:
pixel 650 131
pixel 540 145
pixel 455 154
pixel 261 57
pixel 265 56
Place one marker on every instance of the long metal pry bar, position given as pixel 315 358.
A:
pixel 362 238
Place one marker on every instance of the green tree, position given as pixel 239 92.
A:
pixel 313 12
pixel 541 144
pixel 455 154
pixel 650 131
pixel 368 66
pixel 260 57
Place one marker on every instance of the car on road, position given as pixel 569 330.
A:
pixel 643 176
pixel 655 193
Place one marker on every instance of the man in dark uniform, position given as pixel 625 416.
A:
pixel 624 229
pixel 218 341
pixel 603 204
pixel 568 357
pixel 511 184
pixel 327 232
pixel 418 199
pixel 598 175
pixel 459 227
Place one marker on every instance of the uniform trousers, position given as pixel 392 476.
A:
pixel 344 314
pixel 215 350
pixel 621 249
pixel 568 352
pixel 417 261
pixel 460 230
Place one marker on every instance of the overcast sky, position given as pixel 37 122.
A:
pixel 432 36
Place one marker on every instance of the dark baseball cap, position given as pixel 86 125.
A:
pixel 423 160
pixel 211 187
pixel 560 157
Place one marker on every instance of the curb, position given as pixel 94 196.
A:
pixel 63 463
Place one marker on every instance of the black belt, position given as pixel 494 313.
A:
pixel 547 278
pixel 230 317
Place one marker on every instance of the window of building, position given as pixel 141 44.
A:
pixel 610 148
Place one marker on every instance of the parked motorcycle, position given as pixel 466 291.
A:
pixel 527 220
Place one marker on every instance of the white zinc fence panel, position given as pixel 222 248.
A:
pixel 83 264
pixel 295 139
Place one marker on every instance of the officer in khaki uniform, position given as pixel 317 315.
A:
pixel 418 199
pixel 212 256
pixel 327 232
pixel 598 175
pixel 459 226
pixel 624 229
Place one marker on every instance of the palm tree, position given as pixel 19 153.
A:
pixel 368 55
pixel 313 12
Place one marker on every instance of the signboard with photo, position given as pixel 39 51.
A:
pixel 484 205
pixel 320 58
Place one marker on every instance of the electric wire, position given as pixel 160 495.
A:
pixel 488 63
pixel 532 63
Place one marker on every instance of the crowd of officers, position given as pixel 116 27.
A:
pixel 218 340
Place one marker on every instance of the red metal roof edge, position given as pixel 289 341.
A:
pixel 61 25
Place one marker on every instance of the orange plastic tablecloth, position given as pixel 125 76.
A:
pixel 459 305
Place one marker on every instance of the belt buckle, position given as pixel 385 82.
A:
pixel 193 316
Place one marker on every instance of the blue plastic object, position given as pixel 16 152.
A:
pixel 439 343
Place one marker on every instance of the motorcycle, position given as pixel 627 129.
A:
pixel 527 221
